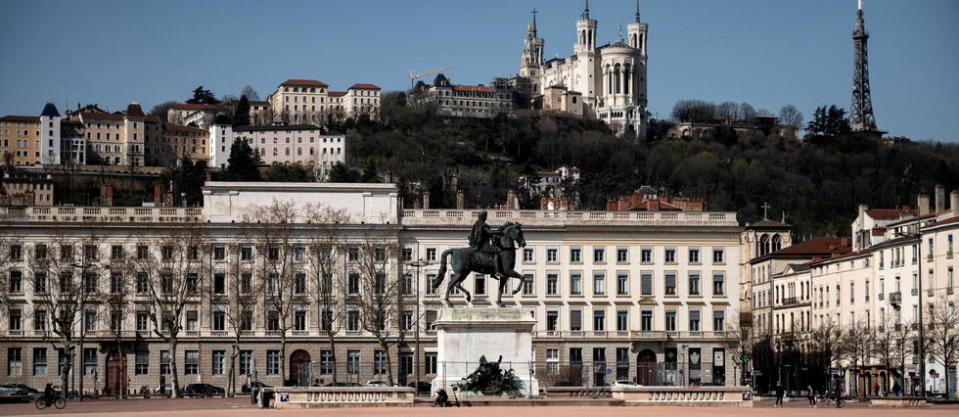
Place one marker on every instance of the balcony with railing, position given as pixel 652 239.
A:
pixel 895 298
pixel 420 217
pixel 790 301
pixel 103 214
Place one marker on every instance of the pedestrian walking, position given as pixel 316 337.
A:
pixel 811 396
pixel 780 393
pixel 838 392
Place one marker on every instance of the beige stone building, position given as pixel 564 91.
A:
pixel 298 101
pixel 645 296
pixel 475 101
pixel 20 140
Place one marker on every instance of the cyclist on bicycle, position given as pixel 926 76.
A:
pixel 48 394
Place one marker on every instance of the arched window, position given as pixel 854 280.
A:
pixel 626 75
pixel 617 81
pixel 777 243
pixel 763 245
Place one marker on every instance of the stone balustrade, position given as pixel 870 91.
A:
pixel 103 214
pixel 553 218
pixel 309 397
pixel 684 396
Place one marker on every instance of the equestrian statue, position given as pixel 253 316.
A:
pixel 490 252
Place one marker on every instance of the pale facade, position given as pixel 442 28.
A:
pixel 472 101
pixel 650 295
pixel 297 101
pixel 308 145
pixel 194 115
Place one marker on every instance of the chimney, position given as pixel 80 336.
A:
pixel 460 200
pixel 426 200
pixel 940 198
pixel 612 205
pixel 954 202
pixel 923 204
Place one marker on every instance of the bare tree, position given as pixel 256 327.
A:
pixel 238 301
pixel 739 343
pixel 943 335
pixel 118 300
pixel 826 341
pixel 380 308
pixel 272 228
pixel 858 342
pixel 65 293
pixel 326 245
pixel 893 344
pixel 6 250
pixel 790 115
pixel 171 268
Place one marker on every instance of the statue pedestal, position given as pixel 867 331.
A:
pixel 463 334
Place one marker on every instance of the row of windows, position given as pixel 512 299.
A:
pixel 575 285
pixel 647 318
pixel 600 255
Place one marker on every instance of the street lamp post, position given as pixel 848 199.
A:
pixel 418 264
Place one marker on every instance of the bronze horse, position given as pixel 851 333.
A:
pixel 467 260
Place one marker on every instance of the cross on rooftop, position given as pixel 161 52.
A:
pixel 766 208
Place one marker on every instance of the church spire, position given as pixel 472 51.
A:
pixel 532 28
pixel 637 11
pixel 586 11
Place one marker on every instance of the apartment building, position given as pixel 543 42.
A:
pixel 299 101
pixel 309 145
pixel 476 101
pixel 646 296
pixel 20 140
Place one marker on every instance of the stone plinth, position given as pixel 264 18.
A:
pixel 464 334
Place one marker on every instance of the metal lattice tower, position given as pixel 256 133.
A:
pixel 862 118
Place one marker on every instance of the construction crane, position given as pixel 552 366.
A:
pixel 414 77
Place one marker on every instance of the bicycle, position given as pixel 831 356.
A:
pixel 59 402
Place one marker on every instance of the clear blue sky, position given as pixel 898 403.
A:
pixel 765 52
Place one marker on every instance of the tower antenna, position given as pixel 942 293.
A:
pixel 862 117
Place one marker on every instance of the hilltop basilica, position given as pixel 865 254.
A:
pixel 607 82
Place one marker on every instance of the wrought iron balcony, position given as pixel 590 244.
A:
pixel 895 298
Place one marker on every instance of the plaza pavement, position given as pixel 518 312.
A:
pixel 241 407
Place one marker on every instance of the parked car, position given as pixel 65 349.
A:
pixel 246 388
pixel 625 383
pixel 376 383
pixel 203 390
pixel 167 390
pixel 342 384
pixel 10 392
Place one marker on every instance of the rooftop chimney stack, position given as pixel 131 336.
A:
pixel 426 200
pixel 954 202
pixel 940 198
pixel 923 203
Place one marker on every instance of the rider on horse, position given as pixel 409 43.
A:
pixel 481 240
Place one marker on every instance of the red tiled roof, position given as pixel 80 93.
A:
pixel 101 116
pixel 336 93
pixel 188 106
pixel 884 214
pixel 818 246
pixel 308 83
pixel 945 221
pixel 878 231
pixel 362 86
pixel 152 118
pixel 474 88
pixel 134 110
pixel 656 205
pixel 32 119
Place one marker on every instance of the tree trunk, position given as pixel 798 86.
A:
pixel 283 369
pixel 67 370
pixel 332 354
pixel 389 363
pixel 231 384
pixel 173 371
